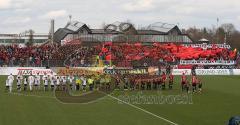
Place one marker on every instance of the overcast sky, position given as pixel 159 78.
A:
pixel 19 15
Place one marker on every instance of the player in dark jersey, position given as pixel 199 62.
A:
pixel 194 83
pixel 188 86
pixel 159 81
pixel 137 83
pixel 164 78
pixel 155 84
pixel 126 82
pixel 142 84
pixel 199 82
pixel 132 83
pixel 118 82
pixel 148 84
pixel 170 81
pixel 183 81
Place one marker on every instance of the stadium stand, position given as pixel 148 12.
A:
pixel 25 56
pixel 121 55
pixel 118 44
pixel 170 53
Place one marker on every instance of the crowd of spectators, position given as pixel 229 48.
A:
pixel 156 53
pixel 120 54
pixel 82 57
pixel 47 55
pixel 15 55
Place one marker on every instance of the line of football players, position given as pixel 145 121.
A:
pixel 35 82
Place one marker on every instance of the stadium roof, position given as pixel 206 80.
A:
pixel 149 32
pixel 61 33
pixel 74 26
pixel 163 27
pixel 154 29
pixel 70 28
pixel 103 31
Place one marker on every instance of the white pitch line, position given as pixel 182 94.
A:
pixel 150 113
pixel 20 94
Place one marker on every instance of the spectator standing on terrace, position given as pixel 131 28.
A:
pixel 12 61
pixel 1 62
pixel 31 61
pixel 38 61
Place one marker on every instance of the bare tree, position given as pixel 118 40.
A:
pixel 215 35
pixel 103 25
pixel 228 27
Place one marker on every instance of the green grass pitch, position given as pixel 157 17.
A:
pixel 219 101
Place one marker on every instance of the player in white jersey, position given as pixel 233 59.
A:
pixel 84 82
pixel 7 84
pixel 19 82
pixel 58 80
pixel 71 79
pixel 37 81
pixel 25 82
pixel 45 82
pixel 10 82
pixel 31 82
pixel 64 82
pixel 52 82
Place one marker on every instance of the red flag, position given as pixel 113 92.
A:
pixel 104 50
pixel 137 57
pixel 108 57
pixel 138 44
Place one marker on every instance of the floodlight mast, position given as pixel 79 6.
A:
pixel 52 31
pixel 70 18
